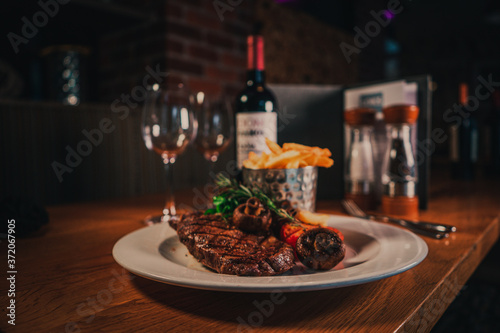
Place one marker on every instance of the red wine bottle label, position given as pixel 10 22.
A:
pixel 252 129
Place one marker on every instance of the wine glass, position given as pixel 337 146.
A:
pixel 215 127
pixel 168 125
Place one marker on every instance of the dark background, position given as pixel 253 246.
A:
pixel 453 41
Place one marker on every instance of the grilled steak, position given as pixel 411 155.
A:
pixel 228 250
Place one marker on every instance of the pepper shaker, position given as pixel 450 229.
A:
pixel 399 168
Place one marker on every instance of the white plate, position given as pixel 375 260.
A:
pixel 374 251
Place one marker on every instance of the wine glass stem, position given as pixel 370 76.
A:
pixel 212 159
pixel 169 209
pixel 211 166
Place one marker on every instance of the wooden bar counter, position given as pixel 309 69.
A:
pixel 67 280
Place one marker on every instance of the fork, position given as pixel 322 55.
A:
pixel 353 209
pixel 438 227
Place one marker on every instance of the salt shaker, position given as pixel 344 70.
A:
pixel 359 173
pixel 399 168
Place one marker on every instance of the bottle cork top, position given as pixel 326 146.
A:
pixel 360 116
pixel 401 114
pixel 255 52
pixel 463 92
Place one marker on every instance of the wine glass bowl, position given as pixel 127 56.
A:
pixel 168 126
pixel 167 138
pixel 215 127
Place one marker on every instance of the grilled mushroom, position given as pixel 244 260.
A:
pixel 320 248
pixel 252 216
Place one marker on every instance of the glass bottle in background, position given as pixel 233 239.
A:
pixel 454 145
pixel 464 141
pixel 256 114
pixel 359 177
pixel 494 137
pixel 399 168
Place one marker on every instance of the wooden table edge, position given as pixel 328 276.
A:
pixel 433 307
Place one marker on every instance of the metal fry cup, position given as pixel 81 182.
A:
pixel 298 186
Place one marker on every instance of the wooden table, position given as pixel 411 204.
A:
pixel 67 280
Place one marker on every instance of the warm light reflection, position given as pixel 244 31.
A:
pixel 220 139
pixel 180 140
pixel 184 118
pixel 393 153
pixel 269 106
pixel 200 97
pixel 72 100
pixel 156 130
pixel 147 138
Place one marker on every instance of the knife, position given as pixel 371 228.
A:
pixel 442 228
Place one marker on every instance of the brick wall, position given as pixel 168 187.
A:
pixel 300 49
pixel 189 40
pixel 206 52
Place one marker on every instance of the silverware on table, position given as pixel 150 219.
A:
pixel 429 229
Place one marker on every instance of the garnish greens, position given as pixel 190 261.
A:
pixel 230 194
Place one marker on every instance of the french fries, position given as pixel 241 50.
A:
pixel 273 147
pixel 290 156
pixel 312 218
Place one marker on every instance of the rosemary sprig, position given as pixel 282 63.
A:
pixel 230 194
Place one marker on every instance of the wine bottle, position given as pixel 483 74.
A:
pixel 494 144
pixel 256 114
pixel 454 148
pixel 464 141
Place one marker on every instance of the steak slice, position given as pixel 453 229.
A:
pixel 216 243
